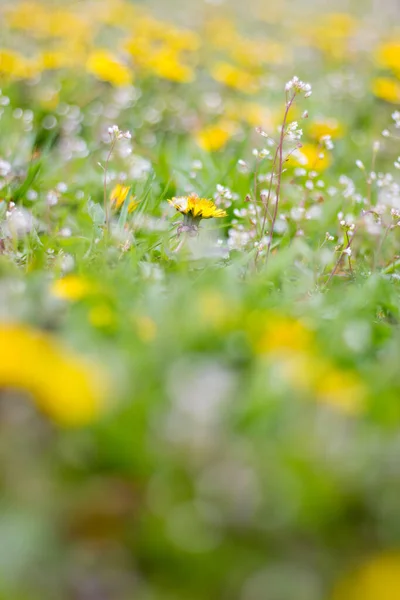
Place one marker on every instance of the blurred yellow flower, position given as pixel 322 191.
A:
pixel 118 13
pixel 235 77
pixel 166 63
pixel 251 113
pixel 278 334
pixel 197 208
pixel 212 309
pixel 106 66
pixel 215 137
pixel 220 32
pixel 118 196
pixel 72 287
pixel 321 127
pixel 311 156
pixel 43 21
pixel 332 34
pixel 63 385
pixel 181 39
pixel 68 56
pixel 146 328
pixel 14 65
pixel 341 389
pixel 388 56
pixel 253 54
pixel 387 89
pixel 376 579
pixel 292 345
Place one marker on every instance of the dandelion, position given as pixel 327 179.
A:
pixel 194 209
pixel 105 66
pixel 215 137
pixel 118 196
pixel 61 384
pixel 377 577
pixel 72 288
pixel 387 89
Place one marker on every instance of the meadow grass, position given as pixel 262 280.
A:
pixel 199 283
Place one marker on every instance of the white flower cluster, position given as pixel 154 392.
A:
pixel 224 196
pixel 326 142
pixel 117 134
pixel 299 87
pixel 293 132
pixel 396 119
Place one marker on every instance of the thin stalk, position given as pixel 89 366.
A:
pixel 106 203
pixel 339 260
pixel 278 187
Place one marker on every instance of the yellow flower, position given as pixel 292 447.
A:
pixel 146 328
pixel 214 137
pixel 119 195
pixel 62 385
pixel 181 39
pixel 388 56
pixel 166 63
pixel 14 65
pixel 273 333
pixel 387 89
pixel 106 66
pixel 251 113
pixel 293 348
pixel 332 34
pixel 341 389
pixel 234 77
pixel 72 287
pixel 42 21
pixel 310 156
pixel 376 579
pixel 321 127
pixel 197 208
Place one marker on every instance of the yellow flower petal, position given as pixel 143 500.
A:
pixel 72 287
pixel 376 579
pixel 63 385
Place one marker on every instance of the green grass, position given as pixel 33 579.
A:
pixel 248 445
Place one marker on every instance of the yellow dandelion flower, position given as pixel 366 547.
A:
pixel 388 56
pixel 14 65
pixel 332 34
pixel 182 39
pixel 387 89
pixel 146 328
pixel 221 32
pixel 215 137
pixel 197 208
pixel 311 156
pixel 376 579
pixel 62 385
pixel 280 334
pixel 106 66
pixel 340 389
pixel 166 63
pixel 321 127
pixel 250 113
pixel 236 78
pixel 118 196
pixel 72 287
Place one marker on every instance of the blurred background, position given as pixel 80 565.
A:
pixel 172 428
